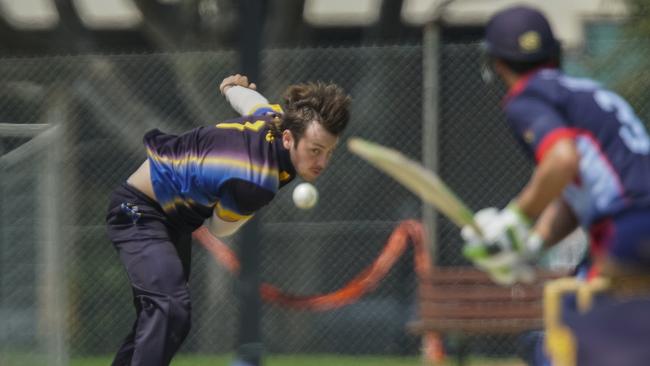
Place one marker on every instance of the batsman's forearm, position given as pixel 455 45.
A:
pixel 557 170
pixel 555 223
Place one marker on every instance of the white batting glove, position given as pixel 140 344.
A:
pixel 506 247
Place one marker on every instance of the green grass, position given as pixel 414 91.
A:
pixel 22 359
pixel 274 360
pixel 302 360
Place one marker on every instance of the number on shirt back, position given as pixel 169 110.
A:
pixel 632 131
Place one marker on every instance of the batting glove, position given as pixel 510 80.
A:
pixel 506 248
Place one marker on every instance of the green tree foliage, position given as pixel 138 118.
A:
pixel 625 67
pixel 638 23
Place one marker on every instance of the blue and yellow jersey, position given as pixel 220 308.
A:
pixel 234 167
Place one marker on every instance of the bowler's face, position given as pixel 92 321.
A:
pixel 313 152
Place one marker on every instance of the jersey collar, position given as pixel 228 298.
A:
pixel 521 84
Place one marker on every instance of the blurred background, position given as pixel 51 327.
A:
pixel 82 80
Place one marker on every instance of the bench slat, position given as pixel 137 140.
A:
pixel 475 327
pixel 466 300
pixel 472 276
pixel 451 293
pixel 489 311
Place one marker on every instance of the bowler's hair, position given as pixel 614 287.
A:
pixel 324 103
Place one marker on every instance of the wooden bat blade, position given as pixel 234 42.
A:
pixel 422 182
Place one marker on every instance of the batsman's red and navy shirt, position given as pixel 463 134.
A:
pixel 234 167
pixel 614 171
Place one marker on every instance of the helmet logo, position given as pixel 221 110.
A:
pixel 530 42
pixel 529 136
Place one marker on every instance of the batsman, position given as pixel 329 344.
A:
pixel 592 156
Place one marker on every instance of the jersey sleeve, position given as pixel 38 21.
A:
pixel 239 199
pixel 266 109
pixel 537 125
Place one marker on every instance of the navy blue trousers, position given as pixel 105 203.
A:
pixel 156 255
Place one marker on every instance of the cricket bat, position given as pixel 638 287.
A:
pixel 422 182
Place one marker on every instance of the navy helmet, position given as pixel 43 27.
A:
pixel 520 34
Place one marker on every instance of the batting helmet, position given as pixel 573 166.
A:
pixel 520 34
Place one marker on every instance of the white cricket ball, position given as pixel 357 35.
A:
pixel 305 196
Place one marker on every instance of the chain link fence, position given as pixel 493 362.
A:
pixel 62 286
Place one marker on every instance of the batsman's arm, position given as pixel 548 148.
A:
pixel 555 171
pixel 555 223
pixel 512 242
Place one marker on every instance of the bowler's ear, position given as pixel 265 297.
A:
pixel 287 139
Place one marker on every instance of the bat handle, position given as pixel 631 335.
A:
pixel 492 248
pixel 477 229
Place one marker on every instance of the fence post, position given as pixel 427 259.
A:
pixel 249 341
pixel 430 122
pixel 53 210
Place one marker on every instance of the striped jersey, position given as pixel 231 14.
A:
pixel 614 170
pixel 233 168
